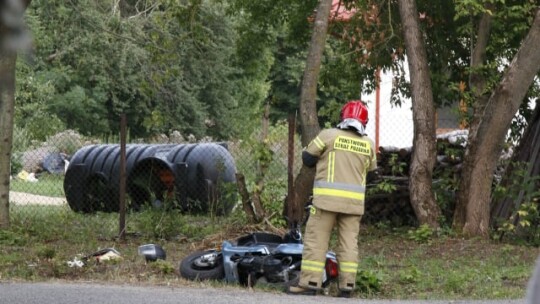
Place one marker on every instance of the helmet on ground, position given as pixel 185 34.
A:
pixel 152 252
pixel 355 109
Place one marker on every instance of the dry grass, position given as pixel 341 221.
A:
pixel 39 244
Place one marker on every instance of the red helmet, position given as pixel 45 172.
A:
pixel 355 109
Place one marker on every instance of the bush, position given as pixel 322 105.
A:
pixel 367 282
pixel 43 124
pixel 21 139
pixel 68 141
pixel 16 163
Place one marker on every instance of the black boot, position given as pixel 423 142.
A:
pixel 345 293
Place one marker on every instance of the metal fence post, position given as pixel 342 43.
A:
pixel 122 186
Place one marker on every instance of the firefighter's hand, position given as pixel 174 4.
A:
pixel 372 176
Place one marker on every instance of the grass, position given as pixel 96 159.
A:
pixel 47 185
pixel 42 239
pixel 446 267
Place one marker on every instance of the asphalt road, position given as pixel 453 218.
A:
pixel 62 293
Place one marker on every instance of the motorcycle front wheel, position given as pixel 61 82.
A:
pixel 203 265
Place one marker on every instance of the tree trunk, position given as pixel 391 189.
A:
pixel 308 106
pixel 527 152
pixel 478 85
pixel 483 152
pixel 7 102
pixel 251 204
pixel 8 59
pixel 424 142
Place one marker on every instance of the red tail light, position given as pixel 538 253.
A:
pixel 331 268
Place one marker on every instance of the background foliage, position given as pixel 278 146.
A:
pixel 207 67
pixel 200 67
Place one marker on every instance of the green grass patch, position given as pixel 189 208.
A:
pixel 445 268
pixel 42 239
pixel 47 185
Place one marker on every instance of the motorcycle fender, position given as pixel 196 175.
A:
pixel 289 249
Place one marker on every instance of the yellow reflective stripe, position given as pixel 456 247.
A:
pixel 314 269
pixel 340 186
pixel 350 267
pixel 331 166
pixel 339 193
pixel 319 143
pixel 349 264
pixel 312 263
pixel 314 266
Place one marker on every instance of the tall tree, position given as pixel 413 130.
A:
pixel 7 101
pixel 424 143
pixel 308 106
pixel 11 32
pixel 495 30
pixel 168 65
pixel 488 130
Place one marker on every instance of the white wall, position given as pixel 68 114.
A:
pixel 395 123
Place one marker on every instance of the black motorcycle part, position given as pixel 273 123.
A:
pixel 197 266
pixel 293 236
pixel 272 266
pixel 273 270
pixel 260 238
pixel 248 270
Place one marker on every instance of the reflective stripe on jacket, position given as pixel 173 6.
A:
pixel 345 157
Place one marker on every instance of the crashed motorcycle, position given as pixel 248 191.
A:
pixel 256 258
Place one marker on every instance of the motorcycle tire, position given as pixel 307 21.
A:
pixel 193 267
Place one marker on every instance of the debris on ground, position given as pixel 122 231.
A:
pixel 25 176
pixel 103 255
pixel 152 252
pixel 75 263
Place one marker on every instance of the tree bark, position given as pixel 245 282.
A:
pixel 252 206
pixel 424 141
pixel 483 153
pixel 527 152
pixel 308 106
pixel 478 85
pixel 7 103
pixel 8 59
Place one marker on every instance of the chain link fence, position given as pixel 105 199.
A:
pixel 74 176
pixel 70 175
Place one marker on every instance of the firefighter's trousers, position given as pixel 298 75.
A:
pixel 317 236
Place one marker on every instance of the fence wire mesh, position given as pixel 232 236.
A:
pixel 73 176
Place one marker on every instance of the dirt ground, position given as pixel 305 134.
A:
pixel 22 198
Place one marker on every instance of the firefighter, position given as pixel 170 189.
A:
pixel 342 157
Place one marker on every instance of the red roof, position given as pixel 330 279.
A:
pixel 338 12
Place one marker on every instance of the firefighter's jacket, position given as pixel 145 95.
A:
pixel 344 158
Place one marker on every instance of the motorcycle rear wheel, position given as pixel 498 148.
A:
pixel 198 266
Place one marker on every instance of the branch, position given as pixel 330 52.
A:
pixel 252 206
pixel 152 7
pixel 476 81
pixel 523 68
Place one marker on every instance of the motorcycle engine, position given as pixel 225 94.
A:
pixel 251 268
pixel 274 270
